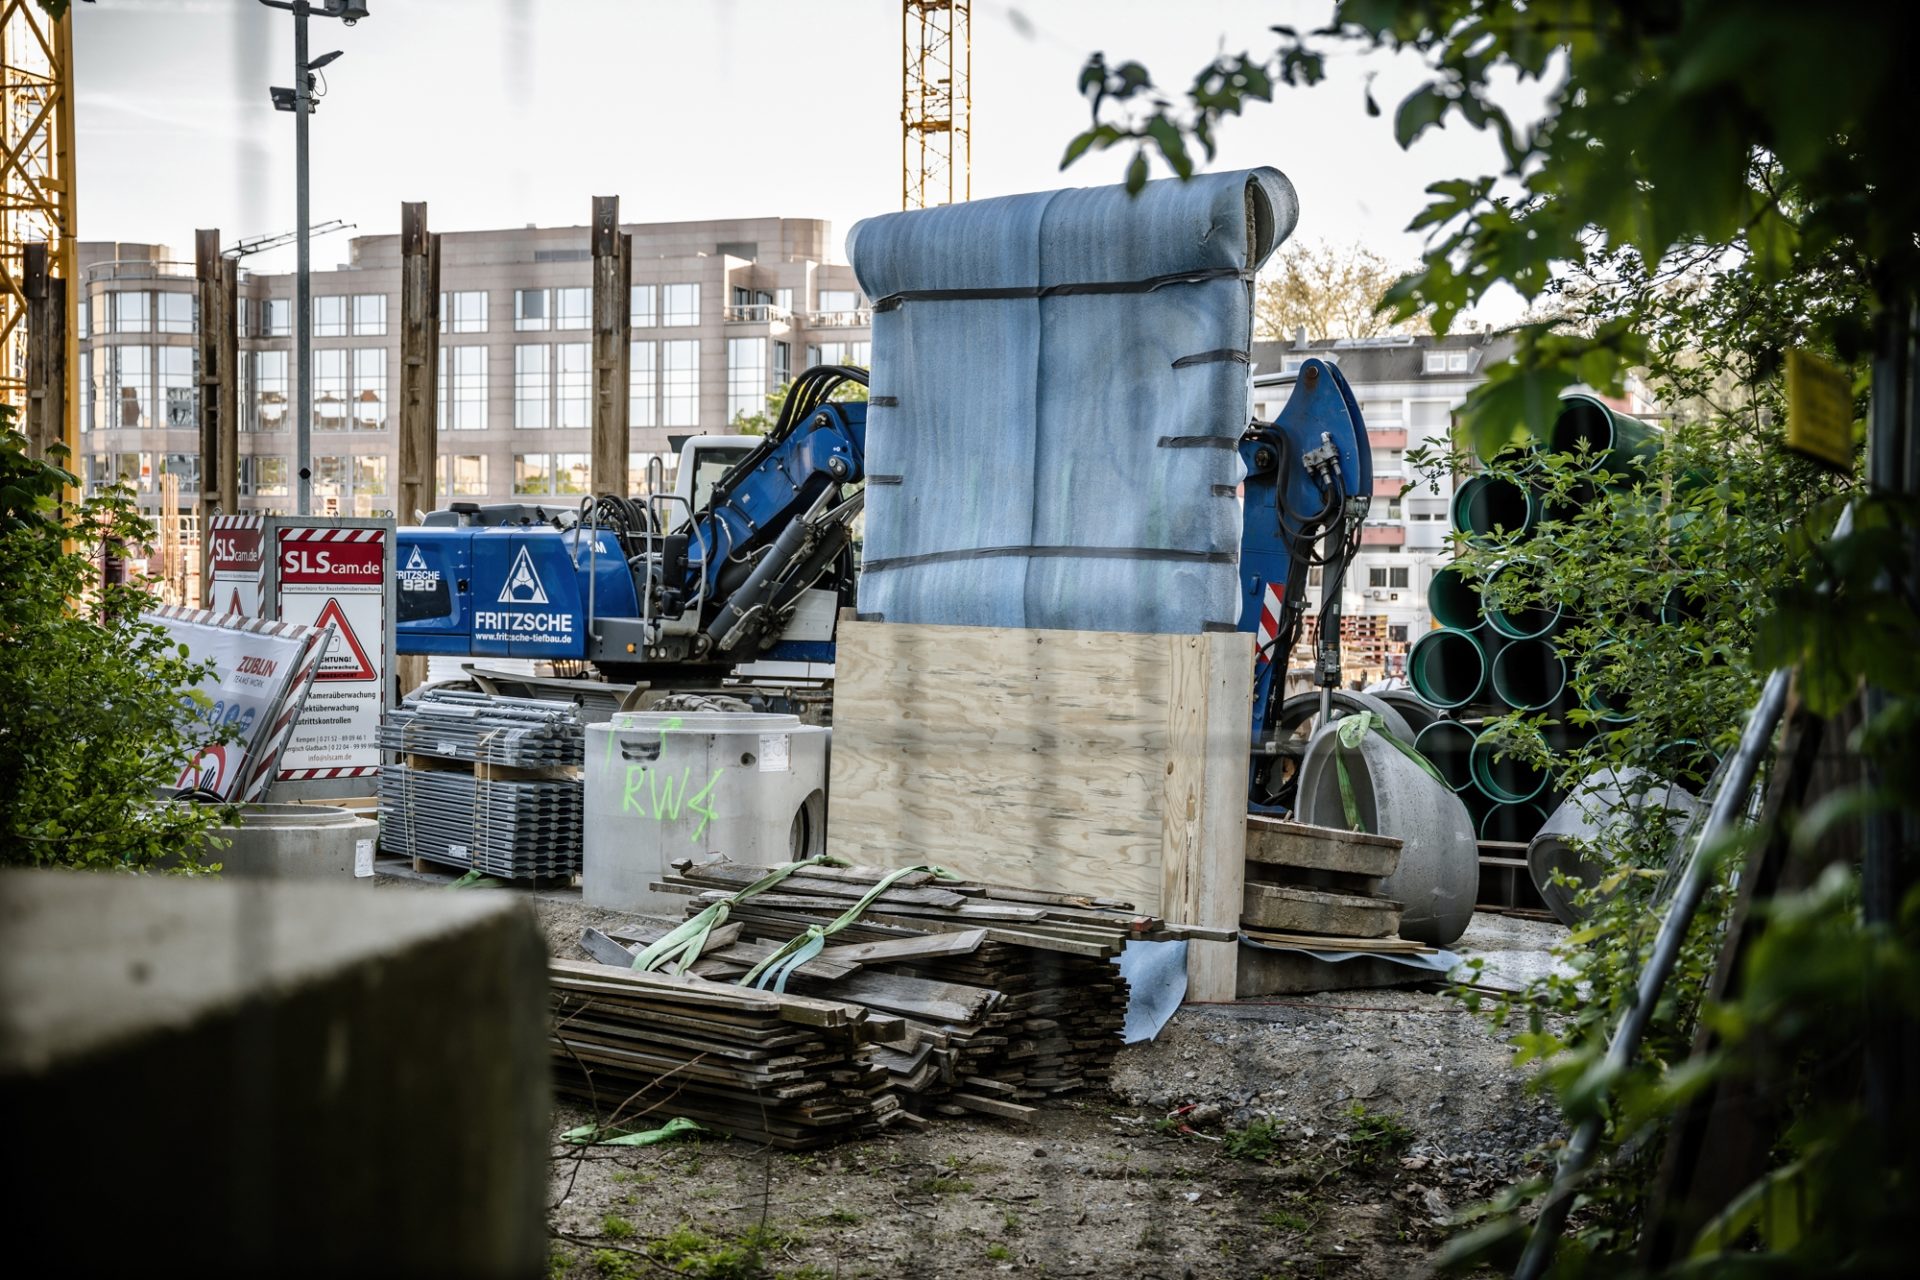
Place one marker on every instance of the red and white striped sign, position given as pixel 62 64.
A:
pixel 337 579
pixel 1269 632
pixel 236 566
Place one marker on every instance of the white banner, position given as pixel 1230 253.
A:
pixel 252 669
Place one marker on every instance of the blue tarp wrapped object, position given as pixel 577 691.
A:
pixel 1059 381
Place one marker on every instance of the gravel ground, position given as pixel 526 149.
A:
pixel 1107 1185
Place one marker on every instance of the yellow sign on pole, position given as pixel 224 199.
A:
pixel 1819 411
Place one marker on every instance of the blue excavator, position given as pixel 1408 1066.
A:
pixel 679 591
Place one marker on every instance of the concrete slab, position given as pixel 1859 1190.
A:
pixel 273 1078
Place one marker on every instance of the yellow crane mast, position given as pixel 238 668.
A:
pixel 936 102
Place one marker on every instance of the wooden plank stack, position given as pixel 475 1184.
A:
pixel 780 1069
pixel 1001 995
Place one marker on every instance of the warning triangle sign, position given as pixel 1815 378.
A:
pixel 346 659
pixel 233 608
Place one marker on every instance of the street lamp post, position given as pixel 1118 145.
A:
pixel 299 100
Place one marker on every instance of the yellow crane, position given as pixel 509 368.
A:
pixel 936 102
pixel 36 181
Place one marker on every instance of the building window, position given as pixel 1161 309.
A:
pixel 640 473
pixel 330 317
pixel 463 312
pixel 174 313
pixel 572 474
pixel 262 475
pixel 86 388
pixel 330 390
pixel 131 388
pixel 351 485
pixel 782 364
pixel 643 388
pixel 1394 579
pixel 185 469
pixel 640 312
pixel 370 315
pixel 746 377
pixel 370 474
pixel 176 388
pixel 679 384
pixel 463 388
pixel 853 353
pixel 783 299
pixel 132 312
pixel 276 315
pixel 838 300
pixel 532 386
pixel 369 389
pixel 533 473
pixel 529 309
pixel 269 391
pixel 572 385
pixel 83 318
pixel 1386 462
pixel 680 304
pixel 572 308
pixel 461 475
pixel 1397 632
pixel 1458 360
pixel 1313 576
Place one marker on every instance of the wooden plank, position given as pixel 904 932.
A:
pixel 991 1106
pixel 1334 942
pixel 1310 911
pixel 929 947
pixel 1274 842
pixel 1204 799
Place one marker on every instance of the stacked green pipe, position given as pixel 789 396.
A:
pixel 1490 653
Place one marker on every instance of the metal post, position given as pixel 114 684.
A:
pixel 303 283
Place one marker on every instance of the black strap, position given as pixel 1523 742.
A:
pixel 1219 626
pixel 1226 491
pixel 869 617
pixel 1017 292
pixel 884 402
pixel 1039 553
pixel 1199 442
pixel 1224 355
pixel 886 479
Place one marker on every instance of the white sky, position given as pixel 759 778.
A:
pixel 506 112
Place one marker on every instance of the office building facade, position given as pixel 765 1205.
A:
pixel 723 313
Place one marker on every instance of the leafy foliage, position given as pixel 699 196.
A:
pixel 758 424
pixel 1331 291
pixel 93 727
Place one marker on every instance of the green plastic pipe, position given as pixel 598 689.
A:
pixel 1453 600
pixel 1528 675
pixel 1513 822
pixel 1508 780
pixel 1487 506
pixel 1613 441
pixel 1447 667
pixel 1448 747
pixel 1522 622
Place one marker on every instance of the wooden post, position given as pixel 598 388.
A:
pixel 228 394
pixel 218 456
pixel 419 361
pixel 170 537
pixel 46 415
pixel 612 346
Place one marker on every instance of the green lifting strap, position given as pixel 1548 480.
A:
pixel 779 966
pixel 684 944
pixel 1353 730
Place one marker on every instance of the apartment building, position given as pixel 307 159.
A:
pixel 1408 389
pixel 723 312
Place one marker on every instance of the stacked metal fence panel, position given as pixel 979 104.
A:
pixel 485 784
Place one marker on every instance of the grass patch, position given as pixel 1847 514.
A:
pixel 999 1253
pixel 1375 1136
pixel 615 1227
pixel 841 1217
pixel 1260 1140
pixel 1285 1220
pixel 939 1184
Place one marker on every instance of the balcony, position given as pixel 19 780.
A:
pixel 1383 535
pixel 139 269
pixel 1388 484
pixel 859 318
pixel 1387 437
pixel 758 313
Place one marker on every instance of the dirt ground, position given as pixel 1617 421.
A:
pixel 1329 1135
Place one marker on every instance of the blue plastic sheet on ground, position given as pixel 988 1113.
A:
pixel 1066 456
pixel 1156 974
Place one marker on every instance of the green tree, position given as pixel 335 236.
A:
pixel 758 424
pixel 1331 291
pixel 93 726
pixel 1712 185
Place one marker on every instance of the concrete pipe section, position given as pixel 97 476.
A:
pixel 1439 872
pixel 1302 707
pixel 295 842
pixel 1510 618
pixel 1448 747
pixel 1603 809
pixel 1412 708
pixel 1500 774
pixel 1529 675
pixel 1488 507
pixel 1447 668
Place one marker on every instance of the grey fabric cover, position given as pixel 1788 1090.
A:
pixel 1028 449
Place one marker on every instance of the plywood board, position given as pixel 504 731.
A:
pixel 1091 763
